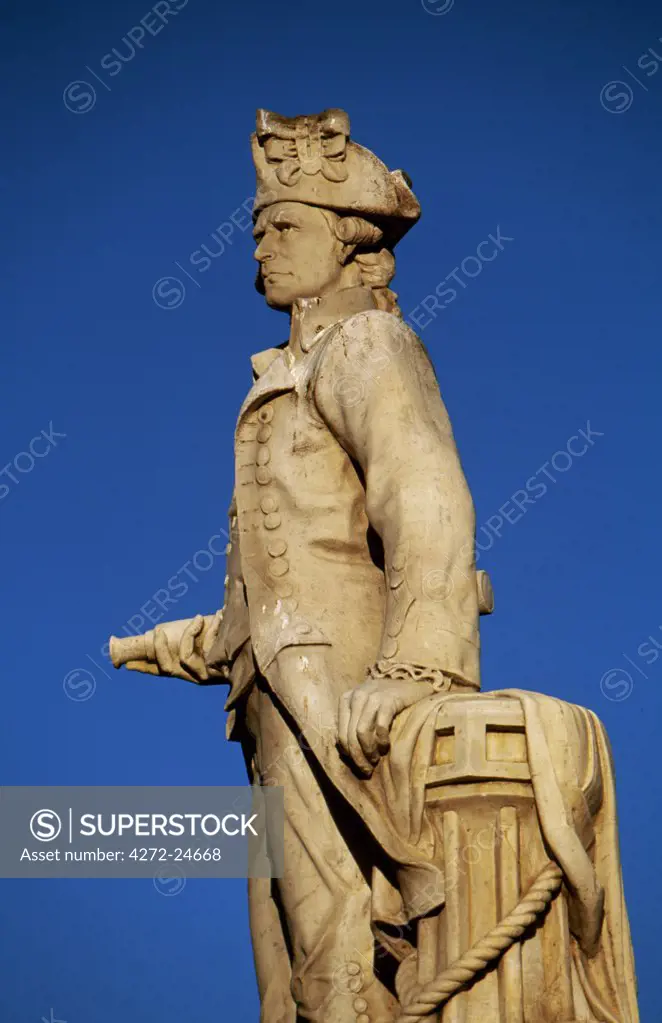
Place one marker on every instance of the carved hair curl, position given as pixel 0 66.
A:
pixel 376 263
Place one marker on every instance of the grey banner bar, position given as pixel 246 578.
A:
pixel 141 831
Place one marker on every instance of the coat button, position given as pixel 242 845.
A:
pixel 277 548
pixel 289 603
pixel 263 456
pixel 269 503
pixel 363 1018
pixel 353 969
pixel 285 589
pixel 264 433
pixel 266 414
pixel 360 1004
pixel 263 476
pixel 272 521
pixel 280 566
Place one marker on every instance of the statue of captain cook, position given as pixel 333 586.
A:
pixel 450 856
pixel 351 590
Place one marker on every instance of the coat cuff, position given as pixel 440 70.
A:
pixel 439 650
pixel 400 671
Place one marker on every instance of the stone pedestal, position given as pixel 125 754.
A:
pixel 479 787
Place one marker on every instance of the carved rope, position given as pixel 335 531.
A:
pixel 465 969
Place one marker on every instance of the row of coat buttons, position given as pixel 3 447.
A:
pixel 277 546
pixel 354 984
pixel 262 474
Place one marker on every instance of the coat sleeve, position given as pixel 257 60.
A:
pixel 376 390
pixel 235 627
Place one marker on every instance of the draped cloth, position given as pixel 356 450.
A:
pixel 573 782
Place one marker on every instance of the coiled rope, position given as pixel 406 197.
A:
pixel 432 996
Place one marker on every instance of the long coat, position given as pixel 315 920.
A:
pixel 352 524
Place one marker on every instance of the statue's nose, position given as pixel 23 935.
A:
pixel 262 252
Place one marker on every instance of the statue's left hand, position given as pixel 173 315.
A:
pixel 367 713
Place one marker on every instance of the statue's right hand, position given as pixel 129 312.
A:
pixel 180 649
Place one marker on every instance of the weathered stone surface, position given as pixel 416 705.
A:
pixel 449 855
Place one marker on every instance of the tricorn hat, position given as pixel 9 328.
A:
pixel 311 159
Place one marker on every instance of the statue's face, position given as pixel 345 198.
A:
pixel 298 253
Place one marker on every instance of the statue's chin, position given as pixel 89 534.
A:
pixel 283 303
pixel 279 296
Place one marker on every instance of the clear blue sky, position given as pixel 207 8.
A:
pixel 495 112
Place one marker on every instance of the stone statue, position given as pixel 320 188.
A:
pixel 449 855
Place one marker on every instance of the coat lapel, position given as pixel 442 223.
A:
pixel 310 318
pixel 273 377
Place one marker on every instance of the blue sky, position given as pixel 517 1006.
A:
pixel 538 124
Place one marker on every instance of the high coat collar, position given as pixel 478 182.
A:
pixel 311 316
pixel 274 369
